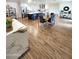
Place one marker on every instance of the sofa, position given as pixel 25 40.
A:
pixel 16 42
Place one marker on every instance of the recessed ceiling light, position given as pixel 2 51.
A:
pixel 29 1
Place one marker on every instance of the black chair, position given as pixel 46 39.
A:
pixel 49 20
pixel 52 19
pixel 42 20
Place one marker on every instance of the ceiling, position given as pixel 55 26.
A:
pixel 37 1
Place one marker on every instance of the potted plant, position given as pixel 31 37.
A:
pixel 8 25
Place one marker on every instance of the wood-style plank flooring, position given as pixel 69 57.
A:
pixel 48 42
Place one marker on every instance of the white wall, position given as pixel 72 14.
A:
pixel 15 5
pixel 24 6
pixel 34 6
pixel 31 7
pixel 57 7
pixel 66 3
pixel 53 7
